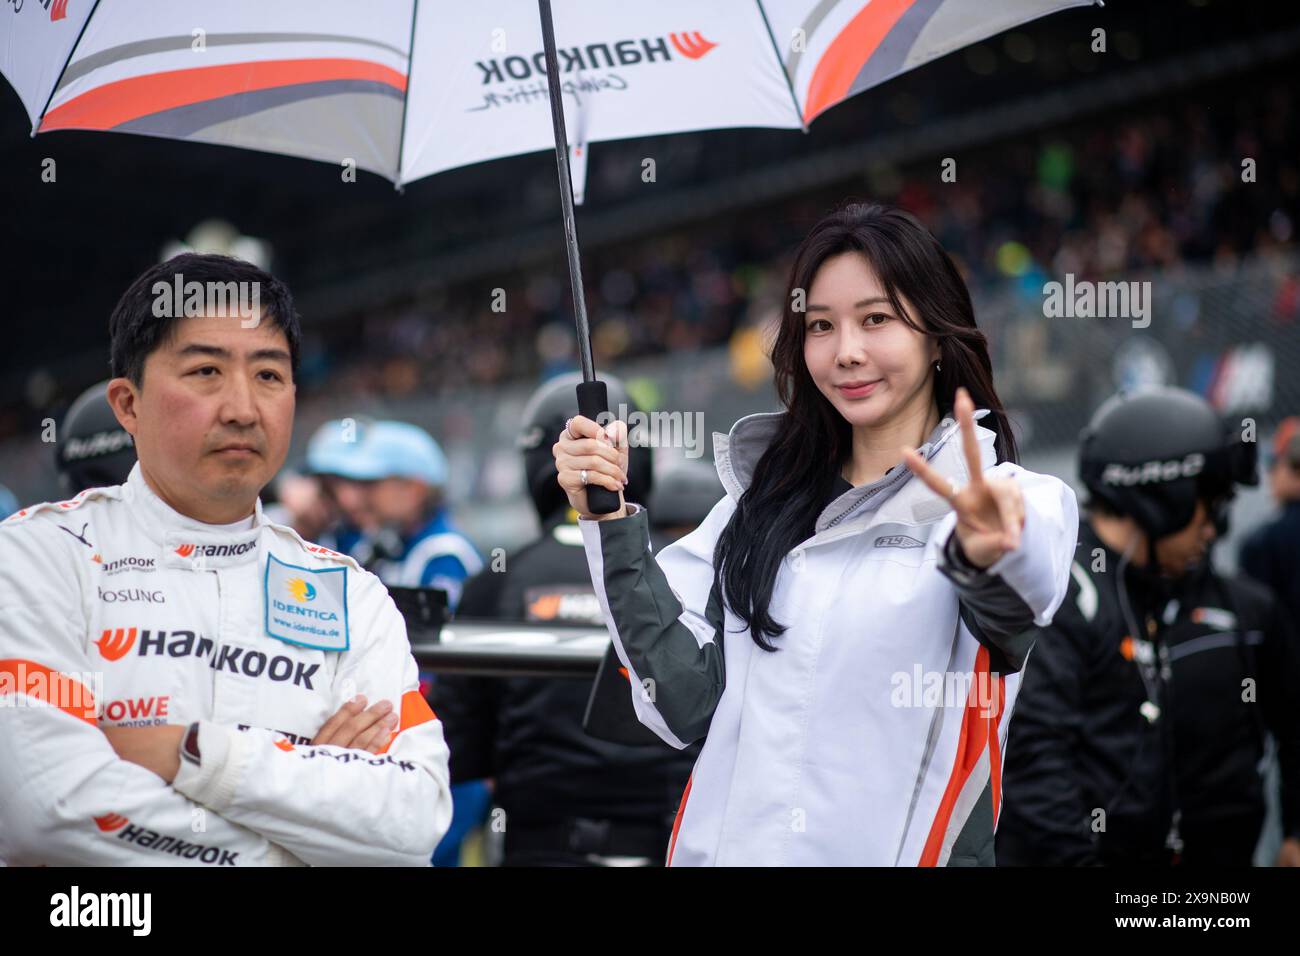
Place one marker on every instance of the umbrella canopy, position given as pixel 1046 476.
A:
pixel 407 89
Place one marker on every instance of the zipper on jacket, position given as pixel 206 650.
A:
pixel 934 450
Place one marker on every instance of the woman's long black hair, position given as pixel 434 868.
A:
pixel 797 471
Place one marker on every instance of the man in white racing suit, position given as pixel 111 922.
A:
pixel 181 680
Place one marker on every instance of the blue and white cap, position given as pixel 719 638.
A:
pixel 402 450
pixel 383 449
pixel 335 448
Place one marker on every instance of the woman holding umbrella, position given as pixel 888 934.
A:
pixel 847 626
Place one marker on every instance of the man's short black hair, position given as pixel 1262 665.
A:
pixel 135 330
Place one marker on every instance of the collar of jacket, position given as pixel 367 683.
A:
pixel 895 496
pixel 185 541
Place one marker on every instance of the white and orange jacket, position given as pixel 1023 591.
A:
pixel 874 734
pixel 117 610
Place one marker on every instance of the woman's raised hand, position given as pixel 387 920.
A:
pixel 587 454
pixel 990 511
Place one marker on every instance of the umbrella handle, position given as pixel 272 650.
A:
pixel 593 402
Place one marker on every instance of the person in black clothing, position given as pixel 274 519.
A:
pixel 684 494
pixel 569 798
pixel 1139 736
pixel 1271 555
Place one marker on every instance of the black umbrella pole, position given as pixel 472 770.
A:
pixel 593 399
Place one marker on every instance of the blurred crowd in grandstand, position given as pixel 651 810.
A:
pixel 1119 197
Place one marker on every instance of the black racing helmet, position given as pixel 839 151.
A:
pixel 93 449
pixel 1151 454
pixel 685 492
pixel 553 404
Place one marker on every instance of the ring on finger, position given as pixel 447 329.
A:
pixel 583 475
pixel 569 433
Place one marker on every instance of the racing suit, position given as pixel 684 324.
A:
pixel 119 611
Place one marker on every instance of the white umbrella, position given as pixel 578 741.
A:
pixel 408 89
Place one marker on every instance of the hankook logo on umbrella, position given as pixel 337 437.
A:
pixel 597 56
pixel 58 8
pixel 691 45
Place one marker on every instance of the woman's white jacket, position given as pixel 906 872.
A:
pixel 875 734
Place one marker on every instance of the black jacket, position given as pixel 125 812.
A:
pixel 1271 555
pixel 1090 780
pixel 527 732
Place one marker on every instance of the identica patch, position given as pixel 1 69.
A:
pixel 305 606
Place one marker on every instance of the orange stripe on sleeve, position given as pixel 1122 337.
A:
pixel 415 711
pixel 55 688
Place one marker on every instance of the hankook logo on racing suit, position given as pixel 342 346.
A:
pixel 150 840
pixel 116 643
pixel 215 550
pixel 129 563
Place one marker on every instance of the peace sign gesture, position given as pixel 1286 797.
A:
pixel 990 511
